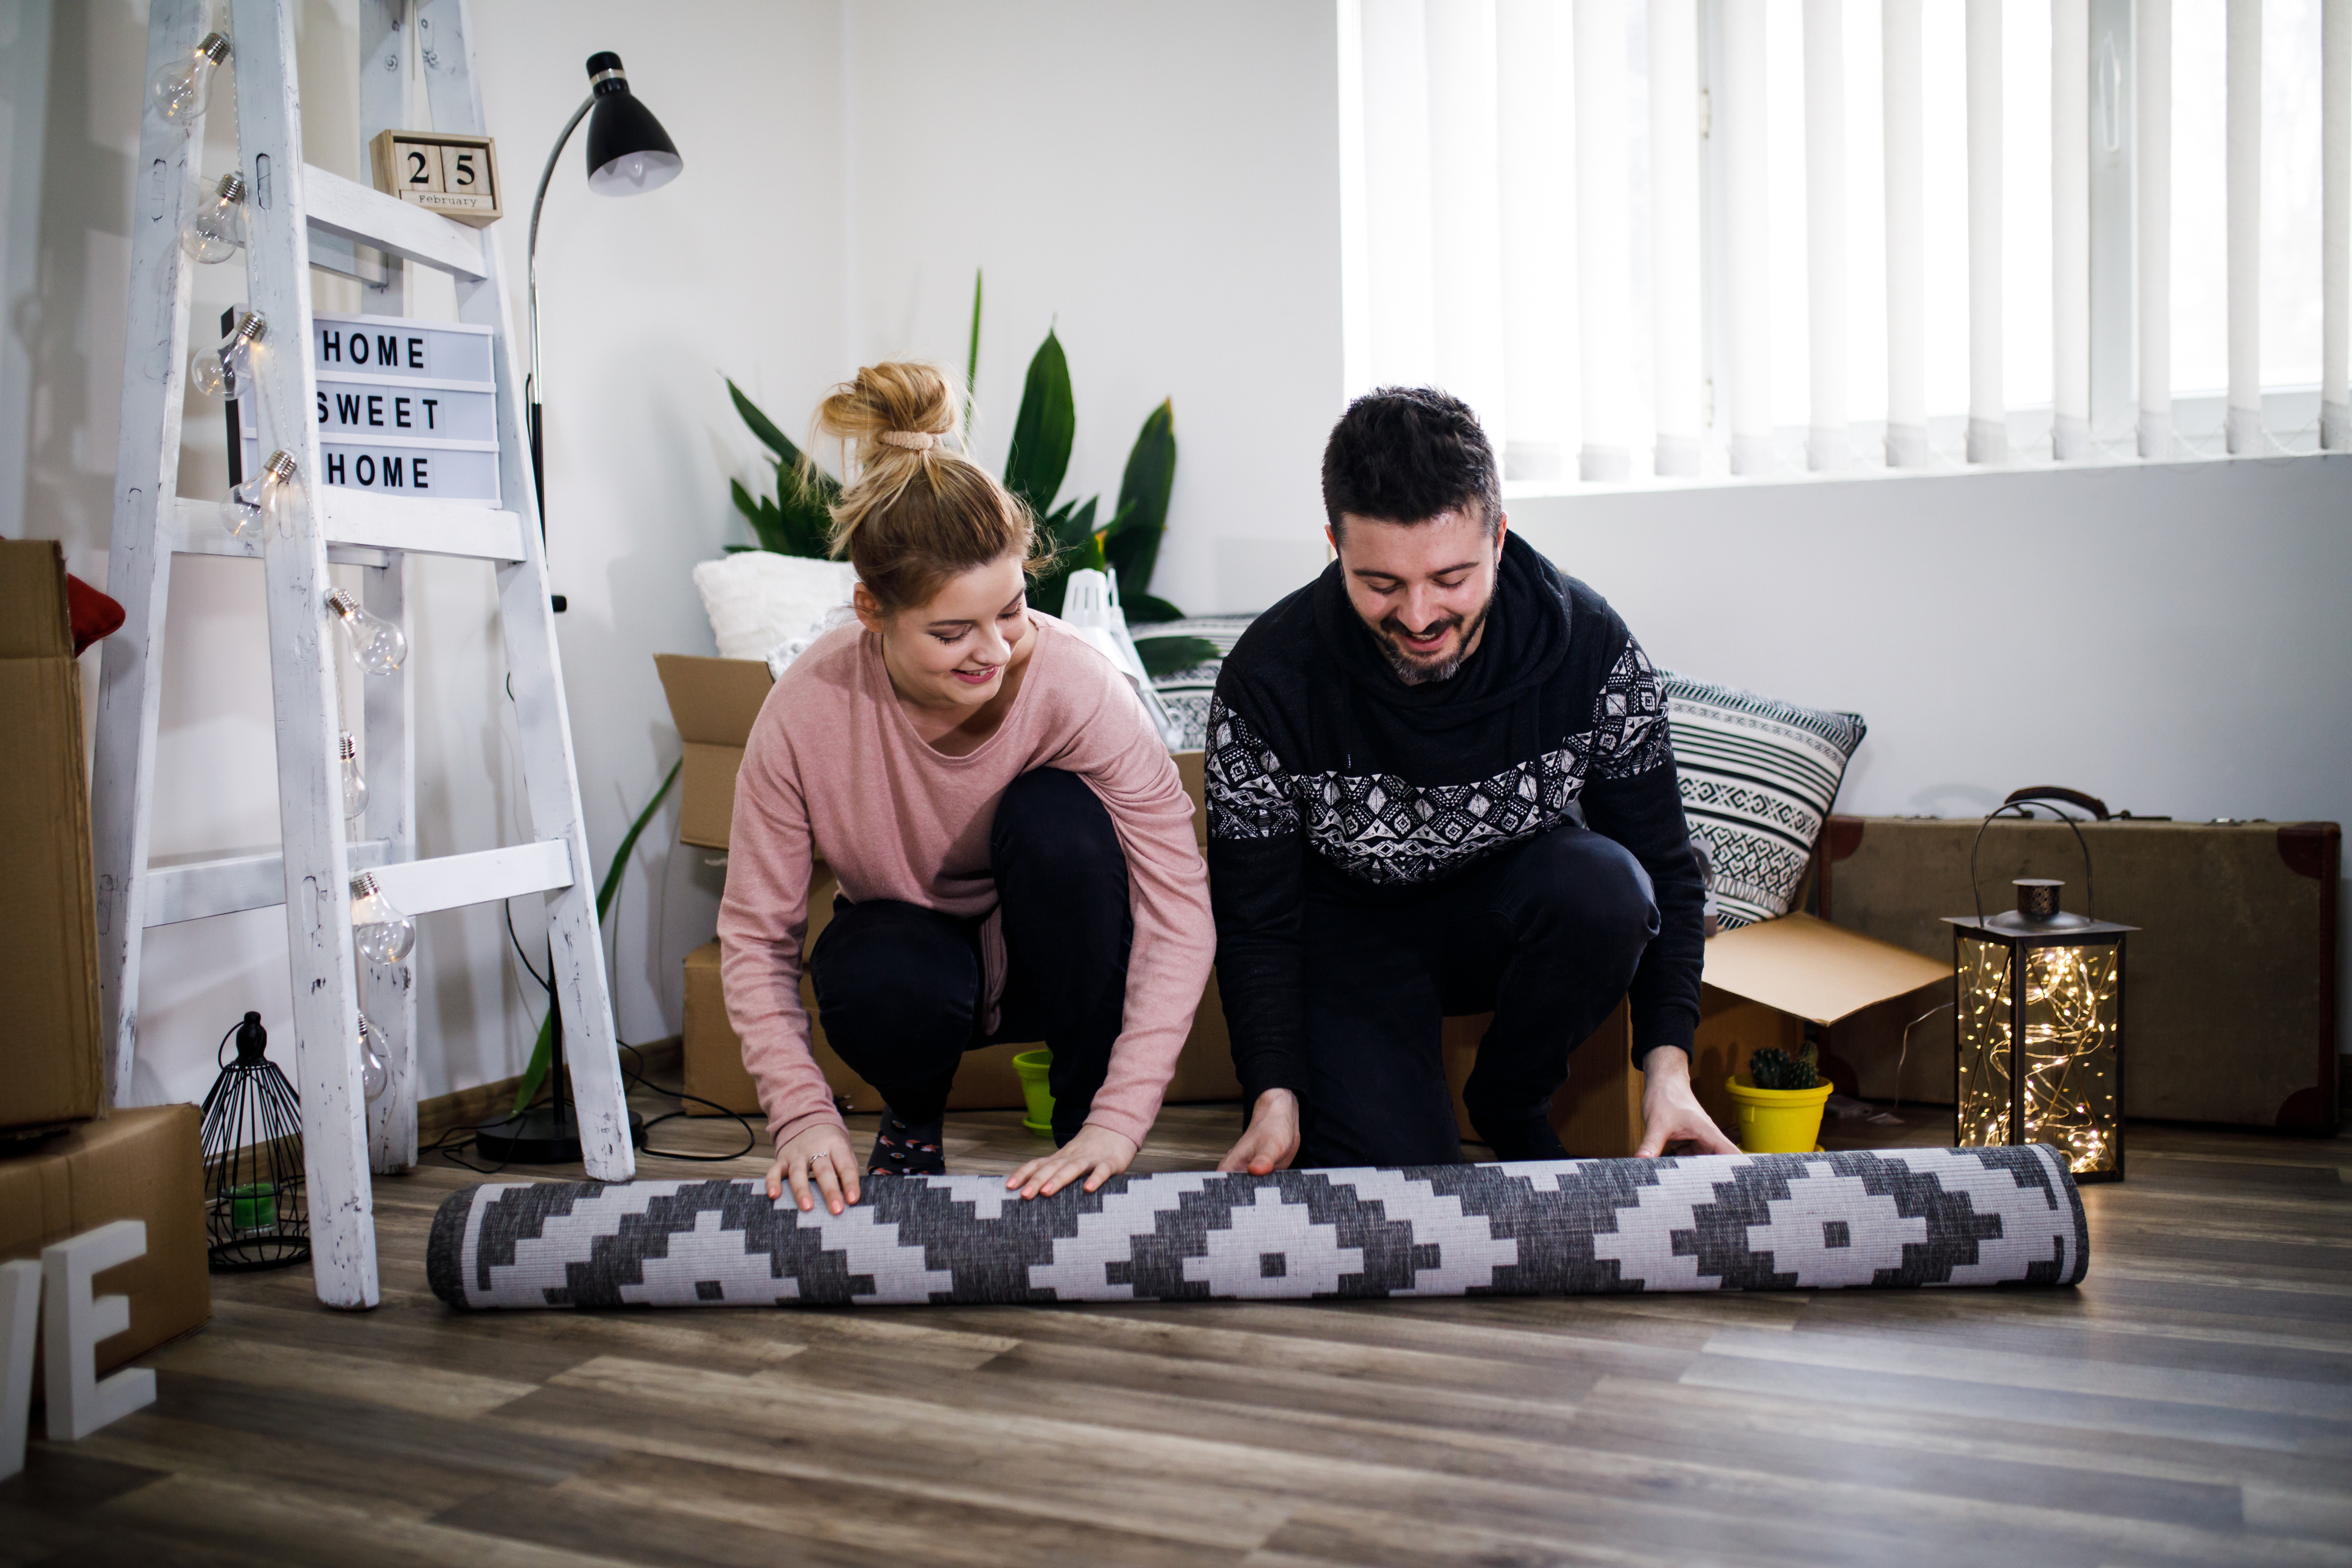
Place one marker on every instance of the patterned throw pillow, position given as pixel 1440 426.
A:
pixel 1757 777
pixel 1185 692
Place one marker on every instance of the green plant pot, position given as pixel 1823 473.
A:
pixel 253 1208
pixel 1033 1067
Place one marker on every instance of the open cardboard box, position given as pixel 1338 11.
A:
pixel 1763 984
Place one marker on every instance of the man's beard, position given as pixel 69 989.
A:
pixel 1414 670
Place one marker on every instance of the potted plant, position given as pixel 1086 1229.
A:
pixel 795 522
pixel 1779 1099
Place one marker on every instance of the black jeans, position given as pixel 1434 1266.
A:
pixel 898 986
pixel 1545 936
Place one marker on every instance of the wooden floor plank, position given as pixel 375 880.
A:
pixel 2189 1404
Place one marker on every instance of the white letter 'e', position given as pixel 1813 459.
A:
pixel 79 1403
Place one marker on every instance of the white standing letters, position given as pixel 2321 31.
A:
pixel 20 1310
pixel 79 1403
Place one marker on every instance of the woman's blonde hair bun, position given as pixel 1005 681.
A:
pixel 915 511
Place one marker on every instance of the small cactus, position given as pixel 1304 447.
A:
pixel 1773 1068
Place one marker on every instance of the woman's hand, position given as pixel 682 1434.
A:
pixel 822 1153
pixel 1272 1141
pixel 1098 1153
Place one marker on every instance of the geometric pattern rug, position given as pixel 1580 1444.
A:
pixel 1892 1217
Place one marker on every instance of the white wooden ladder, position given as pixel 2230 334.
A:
pixel 298 218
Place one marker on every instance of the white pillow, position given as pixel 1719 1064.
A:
pixel 758 600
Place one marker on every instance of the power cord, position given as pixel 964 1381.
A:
pixel 632 1075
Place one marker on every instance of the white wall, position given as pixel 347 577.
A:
pixel 1162 183
pixel 2172 639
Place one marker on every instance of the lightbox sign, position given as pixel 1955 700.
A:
pixel 404 408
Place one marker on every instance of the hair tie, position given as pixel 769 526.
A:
pixel 913 440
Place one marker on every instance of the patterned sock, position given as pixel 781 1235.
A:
pixel 901 1149
pixel 1530 1139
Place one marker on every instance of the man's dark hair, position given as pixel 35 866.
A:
pixel 1404 454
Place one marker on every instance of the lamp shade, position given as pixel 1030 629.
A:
pixel 629 154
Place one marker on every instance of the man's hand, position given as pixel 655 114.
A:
pixel 1098 1153
pixel 1671 1112
pixel 821 1152
pixel 1272 1141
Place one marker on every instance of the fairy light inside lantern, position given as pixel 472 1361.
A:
pixel 2040 995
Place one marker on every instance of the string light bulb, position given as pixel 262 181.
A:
pixel 218 371
pixel 179 87
pixel 376 642
pixel 355 788
pixel 261 498
pixel 216 230
pixel 381 933
pixel 375 1072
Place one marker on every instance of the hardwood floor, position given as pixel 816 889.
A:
pixel 2191 1403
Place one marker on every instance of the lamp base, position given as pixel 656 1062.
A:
pixel 543 1135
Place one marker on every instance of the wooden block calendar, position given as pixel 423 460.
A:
pixel 453 174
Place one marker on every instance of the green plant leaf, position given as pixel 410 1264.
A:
pixel 1166 655
pixel 543 1055
pixel 1142 609
pixel 1042 434
pixel 761 512
pixel 804 521
pixel 774 439
pixel 972 360
pixel 1132 542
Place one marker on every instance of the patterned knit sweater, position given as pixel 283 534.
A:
pixel 1326 773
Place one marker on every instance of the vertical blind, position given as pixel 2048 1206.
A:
pixel 1751 237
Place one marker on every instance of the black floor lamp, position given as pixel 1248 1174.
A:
pixel 629 154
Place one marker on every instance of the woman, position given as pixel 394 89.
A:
pixel 1014 848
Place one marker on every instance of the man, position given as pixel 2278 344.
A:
pixel 1397 756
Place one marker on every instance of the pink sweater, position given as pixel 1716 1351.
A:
pixel 832 767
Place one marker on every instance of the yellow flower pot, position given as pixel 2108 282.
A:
pixel 1779 1121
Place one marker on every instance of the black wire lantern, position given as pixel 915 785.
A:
pixel 256 1216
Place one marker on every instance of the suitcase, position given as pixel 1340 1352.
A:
pixel 2229 984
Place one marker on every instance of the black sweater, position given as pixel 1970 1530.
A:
pixel 1324 768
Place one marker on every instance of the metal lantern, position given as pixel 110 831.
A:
pixel 255 1213
pixel 2039 1032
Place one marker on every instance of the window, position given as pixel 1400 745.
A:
pixel 1670 237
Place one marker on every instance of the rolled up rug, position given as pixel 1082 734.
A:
pixel 1745 1222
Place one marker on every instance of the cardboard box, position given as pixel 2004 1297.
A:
pixel 143 1165
pixel 714 701
pixel 52 1060
pixel 1763 985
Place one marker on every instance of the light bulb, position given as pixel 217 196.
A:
pixel 376 642
pixel 381 932
pixel 218 371
pixel 375 1073
pixel 179 87
pixel 354 786
pixel 251 503
pixel 216 230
